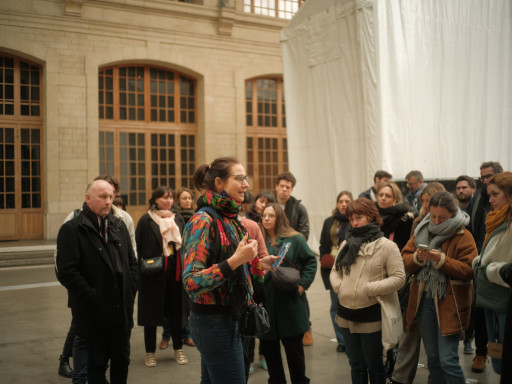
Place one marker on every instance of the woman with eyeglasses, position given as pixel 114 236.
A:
pixel 218 259
pixel 439 255
pixel 492 273
pixel 333 233
pixel 287 310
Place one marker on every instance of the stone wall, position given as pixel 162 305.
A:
pixel 71 39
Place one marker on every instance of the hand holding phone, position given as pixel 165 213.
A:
pixel 423 247
pixel 281 254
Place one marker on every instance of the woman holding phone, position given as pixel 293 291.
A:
pixel 287 310
pixel 440 255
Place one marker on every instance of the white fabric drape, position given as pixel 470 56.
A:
pixel 395 85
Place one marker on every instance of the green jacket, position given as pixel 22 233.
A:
pixel 288 311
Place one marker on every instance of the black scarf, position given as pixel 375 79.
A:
pixel 392 217
pixel 99 223
pixel 355 238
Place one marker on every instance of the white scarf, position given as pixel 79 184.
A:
pixel 168 229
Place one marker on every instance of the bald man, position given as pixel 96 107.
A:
pixel 96 263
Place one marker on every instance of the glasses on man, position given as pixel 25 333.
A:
pixel 486 177
pixel 241 178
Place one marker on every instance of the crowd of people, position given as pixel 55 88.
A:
pixel 198 262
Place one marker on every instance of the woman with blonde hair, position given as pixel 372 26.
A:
pixel 397 216
pixel 186 203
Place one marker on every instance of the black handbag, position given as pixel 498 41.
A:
pixel 255 321
pixel 286 278
pixel 152 265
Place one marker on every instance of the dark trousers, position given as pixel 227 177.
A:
pixel 294 355
pixel 105 346
pixel 364 351
pixel 67 350
pixel 480 331
pixel 477 329
pixel 176 335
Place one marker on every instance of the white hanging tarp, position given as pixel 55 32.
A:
pixel 395 85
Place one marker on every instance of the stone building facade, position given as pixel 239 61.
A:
pixel 144 89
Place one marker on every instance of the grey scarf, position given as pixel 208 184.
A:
pixel 435 280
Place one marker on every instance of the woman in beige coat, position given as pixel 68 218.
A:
pixel 368 265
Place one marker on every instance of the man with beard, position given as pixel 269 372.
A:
pixel 465 188
pixel 477 210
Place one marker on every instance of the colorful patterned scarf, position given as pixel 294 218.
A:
pixel 221 202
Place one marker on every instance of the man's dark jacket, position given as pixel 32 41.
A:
pixel 478 208
pixel 100 300
pixel 297 215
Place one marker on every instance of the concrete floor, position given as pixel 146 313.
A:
pixel 34 321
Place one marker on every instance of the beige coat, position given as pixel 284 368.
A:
pixel 378 271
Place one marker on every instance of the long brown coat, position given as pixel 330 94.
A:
pixel 453 311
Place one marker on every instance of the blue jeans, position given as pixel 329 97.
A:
pixel 490 320
pixel 79 360
pixel 364 351
pixel 217 339
pixel 442 351
pixel 334 312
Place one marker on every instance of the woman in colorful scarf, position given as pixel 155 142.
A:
pixel 158 234
pixel 439 254
pixel 333 233
pixel 288 310
pixel 492 290
pixel 368 265
pixel 218 259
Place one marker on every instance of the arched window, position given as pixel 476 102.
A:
pixel 147 129
pixel 284 9
pixel 21 196
pixel 267 151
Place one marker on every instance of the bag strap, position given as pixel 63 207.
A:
pixel 289 262
pixel 463 331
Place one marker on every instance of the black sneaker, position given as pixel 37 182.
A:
pixel 340 348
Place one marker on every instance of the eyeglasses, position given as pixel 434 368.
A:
pixel 486 177
pixel 241 178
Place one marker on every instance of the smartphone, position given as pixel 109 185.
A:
pixel 281 254
pixel 423 247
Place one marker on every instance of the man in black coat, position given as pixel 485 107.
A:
pixel 96 263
